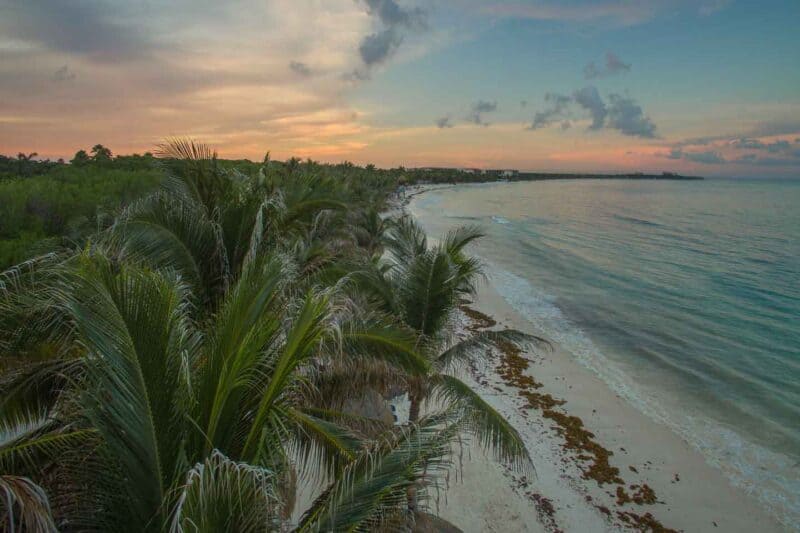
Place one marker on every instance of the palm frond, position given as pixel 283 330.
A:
pixel 185 149
pixel 323 446
pixel 377 337
pixel 132 322
pixel 373 491
pixel 358 385
pixel 245 326
pixel 405 240
pixel 24 506
pixel 170 234
pixel 30 440
pixel 362 425
pixel 32 325
pixel 467 350
pixel 308 330
pixel 371 281
pixel 457 239
pixel 193 172
pixel 428 292
pixel 224 495
pixel 489 427
pixel 37 386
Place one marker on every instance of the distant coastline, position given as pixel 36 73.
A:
pixel 429 175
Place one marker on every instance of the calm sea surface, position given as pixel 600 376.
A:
pixel 683 296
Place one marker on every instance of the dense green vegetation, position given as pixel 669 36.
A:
pixel 44 204
pixel 189 364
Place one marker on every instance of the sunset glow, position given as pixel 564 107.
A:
pixel 706 87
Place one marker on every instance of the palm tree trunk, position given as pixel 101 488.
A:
pixel 413 410
pixel 413 417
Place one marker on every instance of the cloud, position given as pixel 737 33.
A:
pixel 63 74
pixel 775 147
pixel 90 28
pixel 377 47
pixel 675 153
pixel 589 99
pixel 298 67
pixel 620 113
pixel 721 150
pixel 625 115
pixel 225 78
pixel 778 147
pixel 479 108
pixel 614 65
pixel 444 122
pixel 558 104
pixel 706 158
pixel 392 15
pixel 746 143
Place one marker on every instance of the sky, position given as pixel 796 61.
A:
pixel 706 87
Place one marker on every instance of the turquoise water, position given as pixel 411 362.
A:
pixel 683 296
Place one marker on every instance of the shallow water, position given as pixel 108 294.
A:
pixel 683 296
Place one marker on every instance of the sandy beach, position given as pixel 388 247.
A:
pixel 600 464
pixel 690 494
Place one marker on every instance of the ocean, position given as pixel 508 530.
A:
pixel 684 296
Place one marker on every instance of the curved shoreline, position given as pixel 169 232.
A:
pixel 602 464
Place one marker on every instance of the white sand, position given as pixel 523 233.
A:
pixel 695 495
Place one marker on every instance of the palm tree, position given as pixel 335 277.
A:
pixel 25 163
pixel 424 286
pixel 369 229
pixel 205 222
pixel 101 154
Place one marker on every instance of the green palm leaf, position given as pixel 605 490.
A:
pixel 491 429
pixel 406 240
pixel 457 239
pixel 377 338
pixel 322 446
pixel 30 440
pixel 173 234
pixel 467 350
pixel 428 292
pixel 132 323
pixel 373 491
pixel 308 330
pixel 246 325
